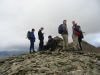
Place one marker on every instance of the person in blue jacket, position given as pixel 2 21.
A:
pixel 32 38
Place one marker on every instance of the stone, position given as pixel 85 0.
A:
pixel 58 62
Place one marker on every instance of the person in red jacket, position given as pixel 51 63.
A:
pixel 75 35
pixel 80 37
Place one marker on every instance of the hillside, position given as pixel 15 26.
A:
pixel 98 50
pixel 58 62
pixel 51 63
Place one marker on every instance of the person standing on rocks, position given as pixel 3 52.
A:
pixel 75 35
pixel 62 29
pixel 31 37
pixel 80 37
pixel 41 38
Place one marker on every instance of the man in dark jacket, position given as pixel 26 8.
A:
pixel 32 40
pixel 50 44
pixel 41 38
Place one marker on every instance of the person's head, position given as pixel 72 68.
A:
pixel 64 22
pixel 41 28
pixel 49 37
pixel 74 23
pixel 33 30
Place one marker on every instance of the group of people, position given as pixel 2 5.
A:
pixel 31 37
pixel 77 37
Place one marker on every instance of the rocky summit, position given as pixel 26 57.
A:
pixel 51 63
pixel 57 62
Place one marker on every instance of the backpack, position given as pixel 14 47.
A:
pixel 60 29
pixel 80 35
pixel 29 35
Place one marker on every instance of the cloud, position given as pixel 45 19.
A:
pixel 19 16
pixel 93 38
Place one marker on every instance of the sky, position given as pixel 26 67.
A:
pixel 19 16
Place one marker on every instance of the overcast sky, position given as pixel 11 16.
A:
pixel 19 16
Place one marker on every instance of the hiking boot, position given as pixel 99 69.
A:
pixel 33 51
pixel 30 52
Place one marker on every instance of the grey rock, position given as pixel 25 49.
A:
pixel 58 62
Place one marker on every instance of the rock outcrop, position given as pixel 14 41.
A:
pixel 51 63
pixel 58 62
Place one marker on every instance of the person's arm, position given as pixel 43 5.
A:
pixel 83 32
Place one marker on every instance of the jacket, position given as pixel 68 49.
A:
pixel 64 29
pixel 40 35
pixel 32 36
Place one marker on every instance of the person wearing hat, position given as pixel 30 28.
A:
pixel 41 38
pixel 32 40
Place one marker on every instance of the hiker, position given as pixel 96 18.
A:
pixel 62 29
pixel 80 37
pixel 31 37
pixel 50 44
pixel 75 35
pixel 41 38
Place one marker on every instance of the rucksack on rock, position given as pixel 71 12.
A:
pixel 60 29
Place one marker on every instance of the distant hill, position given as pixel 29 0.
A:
pixel 4 54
